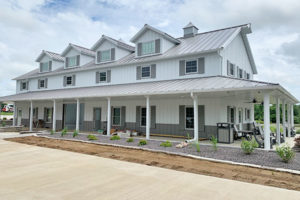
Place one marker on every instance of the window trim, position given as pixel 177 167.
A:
pixel 142 71
pixel 148 54
pixel 101 55
pixel 67 81
pixel 233 66
pixel 48 65
pixel 141 117
pixel 185 117
pixel 113 116
pixel 26 86
pixel 248 76
pixel 40 83
pixel 241 71
pixel 105 77
pixel 69 61
pixel 51 120
pixel 190 60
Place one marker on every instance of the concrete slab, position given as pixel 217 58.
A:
pixel 30 172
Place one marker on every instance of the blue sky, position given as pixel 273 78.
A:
pixel 28 27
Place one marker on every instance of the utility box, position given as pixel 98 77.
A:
pixel 225 133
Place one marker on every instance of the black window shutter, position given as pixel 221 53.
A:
pixel 153 71
pixel 201 65
pixel 139 52
pixel 181 67
pixel 50 66
pixel 97 77
pixel 113 54
pixel 181 117
pixel 46 82
pixel 78 60
pixel 108 76
pixel 153 116
pixel 73 80
pixel 157 46
pixel 138 73
pixel 98 56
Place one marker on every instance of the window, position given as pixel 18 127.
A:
pixel 72 61
pixel 148 48
pixel 247 114
pixel 146 72
pixel 231 69
pixel 102 76
pixel 105 55
pixel 44 67
pixel 189 117
pixel 143 116
pixel 24 85
pixel 240 115
pixel 48 114
pixel 69 80
pixel 116 116
pixel 42 83
pixel 231 115
pixel 191 66
pixel 240 73
pixel 248 76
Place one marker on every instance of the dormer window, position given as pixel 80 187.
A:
pixel 45 66
pixel 106 55
pixel 72 61
pixel 148 48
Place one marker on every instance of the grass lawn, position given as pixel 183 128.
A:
pixel 6 113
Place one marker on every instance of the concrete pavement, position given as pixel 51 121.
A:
pixel 30 172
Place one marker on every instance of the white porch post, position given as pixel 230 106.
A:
pixel 31 116
pixel 54 116
pixel 77 115
pixel 196 125
pixel 15 114
pixel 283 119
pixel 267 121
pixel 108 116
pixel 278 120
pixel 148 117
pixel 292 115
pixel 252 117
pixel 289 119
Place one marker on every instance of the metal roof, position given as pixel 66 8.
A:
pixel 178 86
pixel 82 50
pixel 200 43
pixel 52 55
pixel 118 43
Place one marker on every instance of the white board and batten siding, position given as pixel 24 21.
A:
pixel 84 59
pixel 55 64
pixel 119 53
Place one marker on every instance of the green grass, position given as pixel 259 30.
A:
pixel 115 137
pixel 92 137
pixel 7 113
pixel 142 142
pixel 166 144
pixel 130 140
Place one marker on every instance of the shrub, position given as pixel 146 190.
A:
pixel 298 131
pixel 75 133
pixel 214 142
pixel 92 137
pixel 52 132
pixel 4 118
pixel 248 146
pixel 130 140
pixel 3 124
pixel 285 153
pixel 196 144
pixel 115 137
pixel 142 142
pixel 166 144
pixel 64 132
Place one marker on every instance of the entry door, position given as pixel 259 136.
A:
pixel 19 117
pixel 97 119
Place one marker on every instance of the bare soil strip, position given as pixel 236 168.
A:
pixel 222 170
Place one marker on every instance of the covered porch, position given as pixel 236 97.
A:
pixel 181 108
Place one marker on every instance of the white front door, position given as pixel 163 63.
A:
pixel 19 117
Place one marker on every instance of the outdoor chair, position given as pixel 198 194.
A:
pixel 259 136
pixel 242 133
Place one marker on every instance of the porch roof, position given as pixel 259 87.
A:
pixel 210 84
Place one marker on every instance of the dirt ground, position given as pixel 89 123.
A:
pixel 180 163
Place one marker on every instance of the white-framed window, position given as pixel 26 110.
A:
pixel 48 115
pixel 143 116
pixel 24 85
pixel 231 115
pixel 231 69
pixel 44 67
pixel 247 114
pixel 116 121
pixel 240 73
pixel 72 61
pixel 191 66
pixel 102 76
pixel 105 55
pixel 240 115
pixel 248 76
pixel 189 117
pixel 148 47
pixel 69 80
pixel 146 71
pixel 42 83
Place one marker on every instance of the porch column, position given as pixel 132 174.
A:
pixel 196 125
pixel 283 119
pixel 289 119
pixel 252 117
pixel 31 116
pixel 108 116
pixel 15 114
pixel 77 115
pixel 148 117
pixel 292 115
pixel 54 116
pixel 267 121
pixel 278 120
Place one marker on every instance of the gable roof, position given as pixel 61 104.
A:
pixel 148 27
pixel 118 43
pixel 82 50
pixel 52 55
pixel 190 25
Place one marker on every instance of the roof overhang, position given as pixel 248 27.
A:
pixel 71 46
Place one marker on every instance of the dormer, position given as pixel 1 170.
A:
pixel 76 56
pixel 49 61
pixel 108 49
pixel 150 41
pixel 190 30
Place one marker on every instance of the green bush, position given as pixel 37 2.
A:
pixel 52 132
pixel 75 133
pixel 196 145
pixel 64 132
pixel 298 131
pixel 248 146
pixel 166 144
pixel 142 142
pixel 130 140
pixel 285 153
pixel 115 137
pixel 214 142
pixel 92 137
pixel 3 124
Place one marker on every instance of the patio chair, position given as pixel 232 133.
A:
pixel 293 131
pixel 242 133
pixel 259 136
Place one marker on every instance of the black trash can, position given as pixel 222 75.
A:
pixel 225 133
